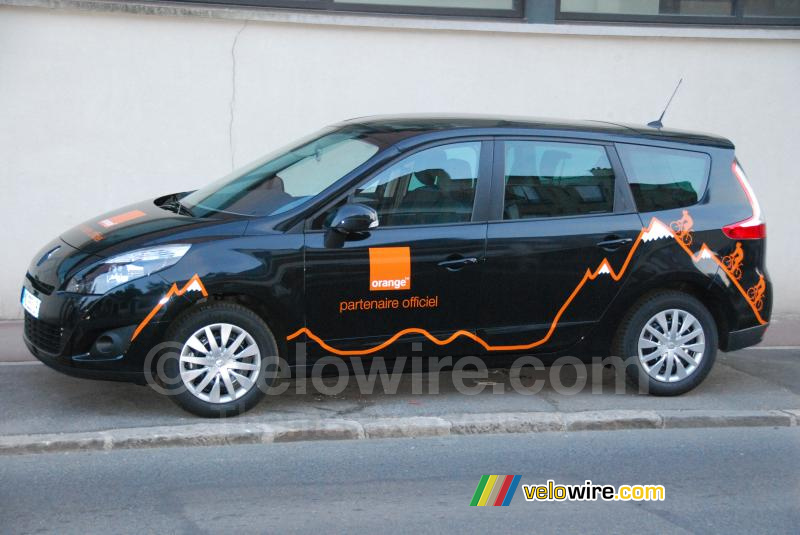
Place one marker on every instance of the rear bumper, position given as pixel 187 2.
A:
pixel 744 338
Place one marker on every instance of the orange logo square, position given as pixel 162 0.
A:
pixel 389 268
pixel 121 218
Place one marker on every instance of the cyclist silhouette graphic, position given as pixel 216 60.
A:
pixel 733 261
pixel 756 293
pixel 683 228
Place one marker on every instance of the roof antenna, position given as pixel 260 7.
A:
pixel 657 123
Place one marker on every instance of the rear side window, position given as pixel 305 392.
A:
pixel 662 179
pixel 552 179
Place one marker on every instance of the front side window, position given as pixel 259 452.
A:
pixel 663 179
pixel 551 179
pixel 430 187
pixel 288 178
pixel 436 185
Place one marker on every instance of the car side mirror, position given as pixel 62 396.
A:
pixel 350 222
pixel 354 218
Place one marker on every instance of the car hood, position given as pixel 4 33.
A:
pixel 144 224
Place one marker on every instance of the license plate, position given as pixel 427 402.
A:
pixel 30 303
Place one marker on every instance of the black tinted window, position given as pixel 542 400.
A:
pixel 662 179
pixel 549 179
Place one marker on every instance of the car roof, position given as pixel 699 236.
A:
pixel 411 126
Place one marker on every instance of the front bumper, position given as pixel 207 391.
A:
pixel 73 366
pixel 65 334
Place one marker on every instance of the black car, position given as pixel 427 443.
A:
pixel 433 236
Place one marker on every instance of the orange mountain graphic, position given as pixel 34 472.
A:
pixel 192 285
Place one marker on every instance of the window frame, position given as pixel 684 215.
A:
pixel 517 11
pixel 480 205
pixel 623 197
pixel 738 18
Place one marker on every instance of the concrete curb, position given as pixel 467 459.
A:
pixel 224 433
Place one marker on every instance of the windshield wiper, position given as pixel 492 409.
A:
pixel 174 205
pixel 181 208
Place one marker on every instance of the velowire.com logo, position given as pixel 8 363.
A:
pixel 495 490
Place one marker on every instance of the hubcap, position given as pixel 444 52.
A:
pixel 220 363
pixel 671 345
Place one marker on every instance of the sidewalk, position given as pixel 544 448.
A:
pixel 41 410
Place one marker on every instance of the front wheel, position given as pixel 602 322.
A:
pixel 673 339
pixel 227 360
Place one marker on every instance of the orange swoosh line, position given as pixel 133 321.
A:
pixel 163 301
pixel 589 275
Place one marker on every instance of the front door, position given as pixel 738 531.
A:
pixel 557 254
pixel 407 286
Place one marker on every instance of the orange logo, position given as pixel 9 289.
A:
pixel 389 268
pixel 121 218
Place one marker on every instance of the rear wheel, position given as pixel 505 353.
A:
pixel 227 359
pixel 673 339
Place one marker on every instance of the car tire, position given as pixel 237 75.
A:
pixel 672 338
pixel 227 360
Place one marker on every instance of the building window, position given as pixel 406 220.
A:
pixel 712 12
pixel 455 8
pixel 771 8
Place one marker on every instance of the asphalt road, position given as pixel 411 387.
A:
pixel 741 480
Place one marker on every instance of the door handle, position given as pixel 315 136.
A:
pixel 612 243
pixel 458 263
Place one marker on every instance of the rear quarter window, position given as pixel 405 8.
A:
pixel 663 179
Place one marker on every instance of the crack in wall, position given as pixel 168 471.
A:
pixel 232 104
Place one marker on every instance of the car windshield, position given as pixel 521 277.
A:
pixel 287 178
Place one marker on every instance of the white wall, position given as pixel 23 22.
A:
pixel 98 110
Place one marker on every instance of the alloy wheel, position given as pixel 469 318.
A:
pixel 220 363
pixel 671 345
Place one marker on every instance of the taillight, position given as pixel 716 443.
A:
pixel 754 227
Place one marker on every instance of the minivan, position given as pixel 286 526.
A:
pixel 445 235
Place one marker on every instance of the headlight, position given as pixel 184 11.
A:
pixel 124 268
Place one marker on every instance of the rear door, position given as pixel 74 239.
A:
pixel 563 227
pixel 409 284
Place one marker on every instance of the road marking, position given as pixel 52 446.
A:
pixel 767 348
pixel 25 363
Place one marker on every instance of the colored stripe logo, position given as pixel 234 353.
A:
pixel 495 490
